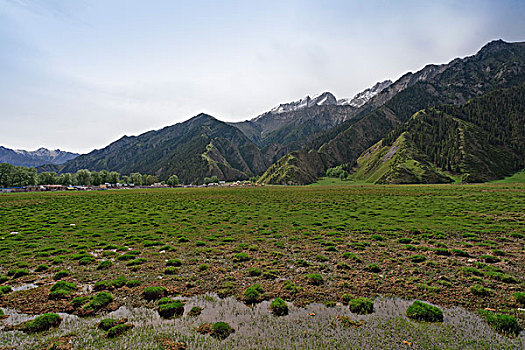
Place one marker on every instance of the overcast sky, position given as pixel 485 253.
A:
pixel 77 75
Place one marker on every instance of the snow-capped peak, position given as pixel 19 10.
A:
pixel 326 98
pixel 365 95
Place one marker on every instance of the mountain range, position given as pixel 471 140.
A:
pixel 460 120
pixel 34 158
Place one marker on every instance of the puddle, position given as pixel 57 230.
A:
pixel 24 287
pixel 256 328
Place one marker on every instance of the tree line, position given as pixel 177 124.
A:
pixel 18 176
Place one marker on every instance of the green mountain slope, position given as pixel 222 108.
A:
pixel 481 140
pixel 497 65
pixel 202 146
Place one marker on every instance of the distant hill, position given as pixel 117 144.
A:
pixel 497 65
pixel 199 147
pixel 34 158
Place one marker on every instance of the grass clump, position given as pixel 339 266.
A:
pixel 60 274
pixel 373 268
pixel 490 259
pixel 519 297
pixel 502 323
pixel 154 293
pixel 417 258
pixel 80 301
pixel 101 300
pixel 254 271
pixel 103 265
pixel 170 270
pixel 314 279
pixel 171 308
pixel 107 323
pixel 480 291
pixel 41 268
pixel 16 273
pixel 133 283
pixel 118 330
pixel 221 330
pixel 253 293
pixel 420 311
pixel 5 290
pixel 346 298
pixel 41 323
pixel 279 307
pixel 361 306
pixel 240 257
pixel 61 290
pixel 195 311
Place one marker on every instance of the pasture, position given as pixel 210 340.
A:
pixel 451 245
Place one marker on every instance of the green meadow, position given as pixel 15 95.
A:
pixel 451 245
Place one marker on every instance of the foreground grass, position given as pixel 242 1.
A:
pixel 429 242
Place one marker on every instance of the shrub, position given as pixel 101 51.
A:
pixel 252 294
pixel 3 278
pixel 361 306
pixel 279 307
pixel 106 264
pixel 60 274
pixel 101 300
pixel 119 329
pixel 479 290
pixel 221 330
pixel 195 311
pixel 5 290
pixel 42 267
pixel 174 262
pixel 200 243
pixel 505 324
pixel 15 273
pixel 173 308
pixel 240 257
pixel 404 240
pixel 61 289
pixel 314 279
pixel 519 297
pixel 373 268
pixel 418 258
pixel 154 293
pixel 424 312
pixel 42 323
pixel 253 271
